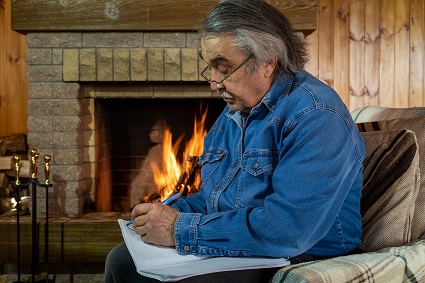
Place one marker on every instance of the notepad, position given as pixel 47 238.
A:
pixel 165 264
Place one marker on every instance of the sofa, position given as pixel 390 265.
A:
pixel 392 205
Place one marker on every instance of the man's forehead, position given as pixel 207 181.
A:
pixel 216 48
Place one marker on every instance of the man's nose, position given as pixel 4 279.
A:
pixel 215 86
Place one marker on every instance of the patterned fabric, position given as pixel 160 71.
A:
pixel 398 264
pixel 414 256
pixel 390 188
pixel 417 125
pixel 370 267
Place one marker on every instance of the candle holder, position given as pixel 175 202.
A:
pixel 33 183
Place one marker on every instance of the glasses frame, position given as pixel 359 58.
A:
pixel 226 77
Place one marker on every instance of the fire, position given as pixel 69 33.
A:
pixel 178 176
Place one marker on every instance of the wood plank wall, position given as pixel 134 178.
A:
pixel 371 51
pixel 13 82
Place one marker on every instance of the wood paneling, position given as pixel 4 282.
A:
pixel 417 52
pixel 13 82
pixel 36 15
pixel 386 54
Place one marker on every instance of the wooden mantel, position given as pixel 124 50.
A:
pixel 136 15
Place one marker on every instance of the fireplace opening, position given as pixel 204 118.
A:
pixel 134 139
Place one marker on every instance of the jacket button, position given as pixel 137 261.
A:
pixel 255 165
pixel 218 188
pixel 186 248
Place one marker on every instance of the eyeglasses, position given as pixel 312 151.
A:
pixel 224 77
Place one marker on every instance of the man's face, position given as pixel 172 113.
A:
pixel 240 91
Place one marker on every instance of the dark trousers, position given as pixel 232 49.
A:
pixel 120 268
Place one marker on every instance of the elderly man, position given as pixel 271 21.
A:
pixel 281 167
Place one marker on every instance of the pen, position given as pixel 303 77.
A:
pixel 165 202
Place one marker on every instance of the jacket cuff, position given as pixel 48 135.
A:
pixel 186 233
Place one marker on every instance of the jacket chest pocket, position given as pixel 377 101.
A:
pixel 258 162
pixel 210 161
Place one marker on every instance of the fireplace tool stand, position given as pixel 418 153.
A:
pixel 33 183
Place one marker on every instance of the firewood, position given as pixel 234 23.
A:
pixel 6 163
pixel 13 144
pixel 4 181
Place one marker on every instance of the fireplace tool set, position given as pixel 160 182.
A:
pixel 33 183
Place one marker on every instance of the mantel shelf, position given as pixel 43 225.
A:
pixel 135 15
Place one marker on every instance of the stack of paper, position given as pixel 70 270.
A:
pixel 165 264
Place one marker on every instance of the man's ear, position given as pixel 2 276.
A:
pixel 269 67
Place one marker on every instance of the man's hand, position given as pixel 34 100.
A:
pixel 154 222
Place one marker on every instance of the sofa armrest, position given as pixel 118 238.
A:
pixel 368 267
pixel 395 264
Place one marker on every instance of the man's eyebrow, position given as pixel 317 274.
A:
pixel 218 57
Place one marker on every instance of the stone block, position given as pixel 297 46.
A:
pixel 113 39
pixel 68 156
pixel 54 39
pixel 39 56
pixel 66 90
pixel 155 64
pixel 71 68
pixel 40 140
pixel 87 64
pixel 70 173
pixel 104 65
pixel 192 40
pixel 44 73
pixel 138 67
pixel 65 107
pixel 66 123
pixel 190 64
pixel 39 107
pixel 121 64
pixel 70 139
pixel 172 66
pixel 40 90
pixel 57 56
pixel 164 39
pixel 40 124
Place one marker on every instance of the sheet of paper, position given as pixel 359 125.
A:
pixel 166 265
pixel 147 255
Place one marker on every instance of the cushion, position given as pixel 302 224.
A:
pixel 417 125
pixel 379 113
pixel 390 188
pixel 367 267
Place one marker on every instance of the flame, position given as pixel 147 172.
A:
pixel 172 170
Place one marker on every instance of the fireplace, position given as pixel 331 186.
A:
pixel 136 130
pixel 84 67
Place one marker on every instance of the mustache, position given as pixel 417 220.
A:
pixel 225 94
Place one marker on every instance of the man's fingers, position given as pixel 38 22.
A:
pixel 140 209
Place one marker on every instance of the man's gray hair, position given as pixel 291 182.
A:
pixel 258 28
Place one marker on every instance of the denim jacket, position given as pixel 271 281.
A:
pixel 282 181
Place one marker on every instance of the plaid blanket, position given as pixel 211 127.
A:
pixel 398 264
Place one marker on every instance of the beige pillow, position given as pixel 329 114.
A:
pixel 390 188
pixel 416 125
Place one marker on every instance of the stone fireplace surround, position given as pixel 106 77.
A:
pixel 68 72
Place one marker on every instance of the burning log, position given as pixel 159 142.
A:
pixel 187 184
